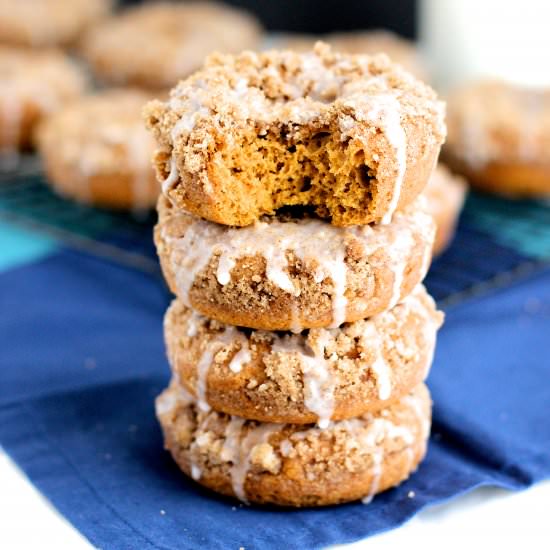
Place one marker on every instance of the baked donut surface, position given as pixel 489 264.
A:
pixel 296 465
pixel 499 138
pixel 33 84
pixel 445 194
pixel 371 42
pixel 315 376
pixel 155 44
pixel 39 23
pixel 284 273
pixel 96 151
pixel 353 137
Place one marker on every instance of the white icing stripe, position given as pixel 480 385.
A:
pixel 227 337
pixel 195 448
pixel 337 272
pixel 230 450
pixel 168 400
pixel 373 440
pixel 317 374
pixel 195 472
pixel 415 404
pixel 430 326
pixel 380 368
pixel 192 322
pixel 241 357
pixel 172 178
pixel 402 244
pixel 376 472
pixel 382 373
pixel 203 366
pixel 386 112
pixel 241 450
pixel 295 321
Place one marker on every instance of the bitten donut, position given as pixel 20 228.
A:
pixel 97 151
pixel 39 23
pixel 398 49
pixel 155 44
pixel 445 195
pixel 499 138
pixel 32 85
pixel 316 376
pixel 354 137
pixel 284 273
pixel 296 465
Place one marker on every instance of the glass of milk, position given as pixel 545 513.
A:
pixel 468 39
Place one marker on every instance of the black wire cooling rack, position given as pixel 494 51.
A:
pixel 474 264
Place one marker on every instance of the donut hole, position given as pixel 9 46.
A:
pixel 287 167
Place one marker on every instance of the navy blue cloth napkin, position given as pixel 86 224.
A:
pixel 82 360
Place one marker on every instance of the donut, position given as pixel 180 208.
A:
pixel 286 273
pixel 445 195
pixel 316 376
pixel 153 45
pixel 32 85
pixel 398 49
pixel 353 137
pixel 39 23
pixel 499 138
pixel 96 151
pixel 292 464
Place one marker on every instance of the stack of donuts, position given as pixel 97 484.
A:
pixel 293 233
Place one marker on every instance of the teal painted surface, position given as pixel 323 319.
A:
pixel 521 225
pixel 19 246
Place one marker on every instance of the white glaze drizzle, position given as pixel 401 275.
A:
pixel 286 448
pixel 318 379
pixel 168 400
pixel 172 178
pixel 192 323
pixel 376 472
pixel 295 321
pixel 401 245
pixel 387 113
pixel 241 357
pixel 384 112
pixel 379 430
pixel 203 366
pixel 228 336
pixel 379 366
pixel 232 442
pixel 415 404
pixel 238 450
pixel 430 326
pixel 196 472
pixel 199 441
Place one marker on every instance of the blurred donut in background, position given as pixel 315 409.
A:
pixel 154 45
pixel 499 137
pixel 38 23
pixel 400 50
pixel 97 151
pixel 445 195
pixel 33 84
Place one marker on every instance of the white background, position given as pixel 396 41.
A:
pixel 486 518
